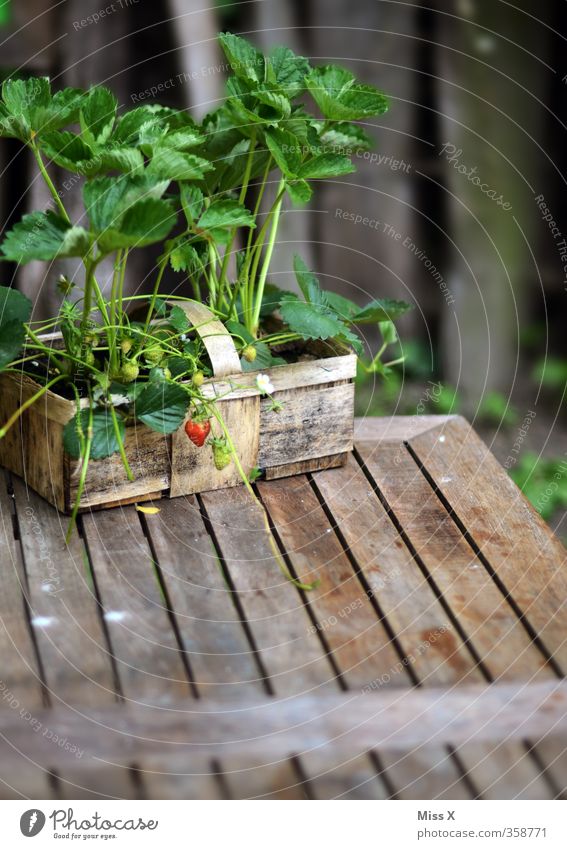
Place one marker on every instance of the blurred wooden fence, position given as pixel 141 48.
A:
pixel 445 215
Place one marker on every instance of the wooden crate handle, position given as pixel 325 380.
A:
pixel 216 338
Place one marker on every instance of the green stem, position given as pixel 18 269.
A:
pixel 49 183
pixel 259 294
pixel 121 286
pixel 85 457
pixel 90 266
pixel 111 326
pixel 161 269
pixel 44 348
pixel 120 442
pixel 30 401
pixel 241 198
pixel 246 294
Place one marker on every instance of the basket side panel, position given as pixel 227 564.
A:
pixel 193 469
pixel 316 421
pixel 148 454
pixel 33 447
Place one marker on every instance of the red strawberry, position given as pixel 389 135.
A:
pixel 197 431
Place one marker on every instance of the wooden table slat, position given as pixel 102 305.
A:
pixel 504 771
pixel 20 678
pixel 490 623
pixel 521 549
pixel 425 772
pixel 147 656
pixel 64 610
pixel 289 648
pixel 221 659
pixel 418 619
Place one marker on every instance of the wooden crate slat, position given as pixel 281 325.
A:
pixel 490 623
pixel 426 772
pixel 220 656
pixel 147 656
pixel 420 623
pixel 519 546
pixel 63 607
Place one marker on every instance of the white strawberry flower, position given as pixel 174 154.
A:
pixel 264 384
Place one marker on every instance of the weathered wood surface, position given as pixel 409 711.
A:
pixel 168 655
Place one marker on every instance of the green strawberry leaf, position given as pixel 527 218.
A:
pixel 246 62
pixel 388 332
pixel 344 307
pixel 98 114
pixel 173 165
pixel 184 256
pixel 162 406
pixel 107 198
pixel 299 191
pixel 192 202
pixel 104 442
pixel 73 153
pixel 44 235
pixel 341 98
pixel 326 165
pixel 12 338
pixel 382 309
pixel 289 70
pixel 310 321
pixel 14 306
pixel 178 319
pixel 241 333
pixel 26 99
pixel 15 310
pixel 275 100
pixel 286 150
pixel 308 282
pixel 225 213
pixel 345 136
pixel 147 221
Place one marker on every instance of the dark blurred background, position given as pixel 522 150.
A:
pixel 466 193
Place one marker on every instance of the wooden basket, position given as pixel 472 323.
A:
pixel 314 430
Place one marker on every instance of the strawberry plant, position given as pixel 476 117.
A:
pixel 153 176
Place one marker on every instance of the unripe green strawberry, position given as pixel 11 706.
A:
pixel 221 453
pixel 166 373
pixel 129 371
pixel 89 358
pixel 126 345
pixel 249 353
pixel 154 354
pixel 198 379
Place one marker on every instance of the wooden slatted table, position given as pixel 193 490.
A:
pixel 166 656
